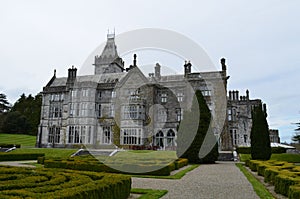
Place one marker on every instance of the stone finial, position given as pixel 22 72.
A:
pixel 54 73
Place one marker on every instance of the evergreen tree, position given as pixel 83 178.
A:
pixel 296 137
pixel 189 143
pixel 260 138
pixel 4 104
pixel 24 116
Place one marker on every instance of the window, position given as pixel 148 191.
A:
pixel 163 97
pixel 113 94
pixel 77 109
pixel 54 135
pixel 162 115
pixel 131 136
pixel 71 134
pixel 106 135
pixel 234 137
pixel 180 97
pixel 98 110
pixel 55 110
pixel 112 110
pixel 89 135
pixel 229 115
pixel 170 138
pixel 135 94
pixel 57 97
pixel 82 134
pixel 245 139
pixel 76 134
pixel 159 139
pixel 179 114
pixel 206 93
pixel 74 93
pixel 85 92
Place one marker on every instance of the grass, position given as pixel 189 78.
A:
pixel 140 157
pixel 258 187
pixel 292 158
pixel 176 176
pixel 23 140
pixel 49 153
pixel 149 193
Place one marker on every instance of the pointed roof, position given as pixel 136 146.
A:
pixel 109 53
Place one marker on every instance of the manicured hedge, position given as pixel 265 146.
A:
pixel 3 145
pixel 20 156
pixel 283 175
pixel 92 164
pixel 247 150
pixel 18 183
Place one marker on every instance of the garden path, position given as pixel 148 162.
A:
pixel 221 180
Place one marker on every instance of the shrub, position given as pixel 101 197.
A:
pixel 283 181
pixel 20 156
pixel 294 192
pixel 3 145
pixel 181 162
pixel 243 150
pixel 278 150
pixel 91 164
pixel 57 183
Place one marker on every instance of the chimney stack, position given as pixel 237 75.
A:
pixel 72 73
pixel 187 68
pixel 157 70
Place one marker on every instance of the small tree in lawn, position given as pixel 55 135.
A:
pixel 189 144
pixel 260 138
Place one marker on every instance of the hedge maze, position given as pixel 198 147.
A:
pixel 283 175
pixel 18 183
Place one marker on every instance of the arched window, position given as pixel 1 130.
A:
pixel 106 139
pixel 159 139
pixel 170 138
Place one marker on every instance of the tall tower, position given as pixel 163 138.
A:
pixel 109 61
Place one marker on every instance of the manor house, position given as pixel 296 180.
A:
pixel 123 106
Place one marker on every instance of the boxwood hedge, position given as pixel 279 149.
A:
pixel 20 156
pixel 283 175
pixel 92 164
pixel 57 183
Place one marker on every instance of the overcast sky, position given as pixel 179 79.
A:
pixel 259 39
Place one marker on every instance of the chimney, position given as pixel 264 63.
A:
pixel 230 95
pixel 237 95
pixel 71 76
pixel 247 94
pixel 223 64
pixel 187 68
pixel 157 70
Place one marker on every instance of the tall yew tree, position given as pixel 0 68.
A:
pixel 189 144
pixel 260 138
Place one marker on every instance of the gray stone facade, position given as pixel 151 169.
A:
pixel 125 106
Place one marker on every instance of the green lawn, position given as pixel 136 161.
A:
pixel 49 153
pixel 23 140
pixel 258 187
pixel 293 158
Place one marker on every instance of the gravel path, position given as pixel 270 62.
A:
pixel 221 180
pixel 19 163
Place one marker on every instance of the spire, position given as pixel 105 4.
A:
pixel 109 60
